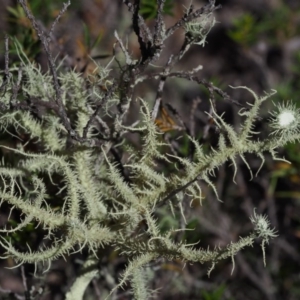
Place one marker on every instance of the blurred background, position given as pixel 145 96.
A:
pixel 255 44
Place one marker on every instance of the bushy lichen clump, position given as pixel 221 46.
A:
pixel 75 191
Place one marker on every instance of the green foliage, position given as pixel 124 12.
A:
pixel 46 10
pixel 214 295
pixel 275 26
pixel 26 34
pixel 244 31
pixel 149 8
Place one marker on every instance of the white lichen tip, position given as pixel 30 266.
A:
pixel 262 227
pixel 286 120
pixel 263 230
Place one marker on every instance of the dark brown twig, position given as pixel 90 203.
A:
pixel 6 66
pixel 140 28
pixel 58 91
pixel 16 88
pixel 160 89
pixel 62 12
pixel 207 9
pixel 107 95
pixel 159 25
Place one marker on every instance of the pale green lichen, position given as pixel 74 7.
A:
pixel 79 189
pixel 105 195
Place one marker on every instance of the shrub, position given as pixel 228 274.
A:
pixel 76 175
